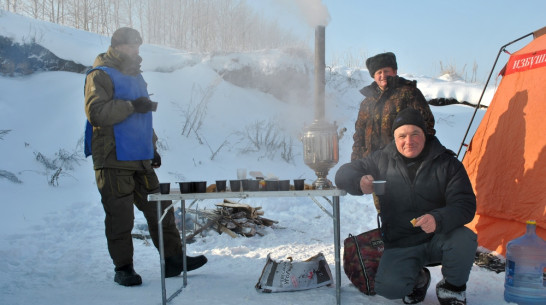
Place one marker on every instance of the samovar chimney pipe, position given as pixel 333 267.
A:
pixel 320 66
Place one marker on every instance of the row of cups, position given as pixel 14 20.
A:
pixel 238 185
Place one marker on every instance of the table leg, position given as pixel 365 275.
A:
pixel 183 210
pixel 337 248
pixel 161 253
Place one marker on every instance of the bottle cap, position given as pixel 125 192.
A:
pixel 531 222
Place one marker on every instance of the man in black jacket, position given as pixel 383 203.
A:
pixel 427 202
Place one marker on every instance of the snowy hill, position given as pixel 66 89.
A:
pixel 52 231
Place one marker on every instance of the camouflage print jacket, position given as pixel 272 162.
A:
pixel 378 111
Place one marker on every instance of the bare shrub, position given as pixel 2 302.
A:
pixel 10 176
pixel 268 139
pixel 3 173
pixel 196 110
pixel 59 165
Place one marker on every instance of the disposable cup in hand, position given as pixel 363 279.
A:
pixel 379 187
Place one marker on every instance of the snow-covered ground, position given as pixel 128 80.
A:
pixel 52 240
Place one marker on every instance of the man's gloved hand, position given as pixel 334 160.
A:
pixel 156 161
pixel 142 105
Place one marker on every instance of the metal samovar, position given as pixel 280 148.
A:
pixel 320 139
pixel 321 151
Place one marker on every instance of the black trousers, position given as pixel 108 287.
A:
pixel 121 190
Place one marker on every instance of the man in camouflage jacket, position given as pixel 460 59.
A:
pixel 384 99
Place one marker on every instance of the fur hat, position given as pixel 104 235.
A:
pixel 381 61
pixel 125 36
pixel 409 116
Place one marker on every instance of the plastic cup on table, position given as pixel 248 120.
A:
pixel 164 188
pixel 241 173
pixel 271 185
pixel 185 187
pixel 299 184
pixel 199 186
pixel 284 185
pixel 235 185
pixel 221 185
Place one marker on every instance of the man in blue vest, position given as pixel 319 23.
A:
pixel 122 142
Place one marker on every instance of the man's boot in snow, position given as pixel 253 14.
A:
pixel 126 276
pixel 174 265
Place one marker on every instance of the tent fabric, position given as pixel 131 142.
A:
pixel 506 158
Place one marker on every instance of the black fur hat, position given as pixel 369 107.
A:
pixel 125 36
pixel 381 61
pixel 409 116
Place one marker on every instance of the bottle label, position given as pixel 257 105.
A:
pixel 510 270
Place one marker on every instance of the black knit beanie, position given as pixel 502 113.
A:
pixel 381 61
pixel 125 36
pixel 409 116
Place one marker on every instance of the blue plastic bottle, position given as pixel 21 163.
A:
pixel 525 279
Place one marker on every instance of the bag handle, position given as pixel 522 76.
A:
pixel 360 260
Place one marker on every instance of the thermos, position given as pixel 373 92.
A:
pixel 525 279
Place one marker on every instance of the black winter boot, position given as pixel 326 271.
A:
pixel 174 265
pixel 126 276
pixel 449 294
pixel 420 290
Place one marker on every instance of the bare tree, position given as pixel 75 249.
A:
pixel 192 25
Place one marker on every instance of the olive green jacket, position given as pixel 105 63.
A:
pixel 378 111
pixel 103 111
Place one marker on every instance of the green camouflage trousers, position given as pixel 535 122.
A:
pixel 121 190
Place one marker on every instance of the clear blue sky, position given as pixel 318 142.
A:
pixel 421 33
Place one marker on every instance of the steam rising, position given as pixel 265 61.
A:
pixel 314 12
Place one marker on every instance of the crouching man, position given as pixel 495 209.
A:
pixel 426 183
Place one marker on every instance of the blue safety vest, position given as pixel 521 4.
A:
pixel 134 135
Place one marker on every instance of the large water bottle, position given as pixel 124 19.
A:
pixel 525 279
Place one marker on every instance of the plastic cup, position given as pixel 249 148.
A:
pixel 235 185
pixel 251 185
pixel 164 188
pixel 220 185
pixel 379 187
pixel 271 185
pixel 241 173
pixel 299 184
pixel 185 187
pixel 284 185
pixel 199 186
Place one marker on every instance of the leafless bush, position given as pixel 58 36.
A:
pixel 197 109
pixel 10 176
pixel 3 133
pixel 54 167
pixel 267 138
pixel 452 71
pixel 3 173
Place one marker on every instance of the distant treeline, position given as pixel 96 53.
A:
pixel 190 25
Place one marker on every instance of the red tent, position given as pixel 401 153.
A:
pixel 506 159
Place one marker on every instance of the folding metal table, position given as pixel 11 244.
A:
pixel 177 196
